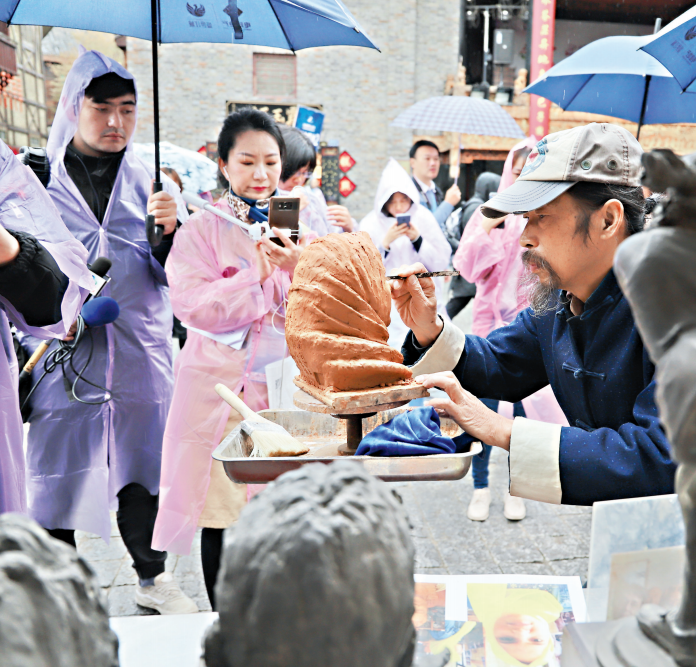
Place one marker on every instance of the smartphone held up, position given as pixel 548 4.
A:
pixel 284 214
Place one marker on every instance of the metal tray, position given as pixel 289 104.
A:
pixel 323 434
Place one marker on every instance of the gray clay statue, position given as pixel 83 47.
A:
pixel 52 609
pixel 657 272
pixel 317 571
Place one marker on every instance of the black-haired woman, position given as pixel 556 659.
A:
pixel 229 292
pixel 299 163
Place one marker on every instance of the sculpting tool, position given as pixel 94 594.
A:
pixel 430 274
pixel 266 437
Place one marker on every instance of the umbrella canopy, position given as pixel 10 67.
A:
pixel 197 172
pixel 612 77
pixel 465 115
pixel 286 24
pixel 674 48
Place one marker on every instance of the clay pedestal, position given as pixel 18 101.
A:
pixel 354 406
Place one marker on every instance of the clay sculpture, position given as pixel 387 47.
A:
pixel 657 273
pixel 52 609
pixel 338 313
pixel 317 571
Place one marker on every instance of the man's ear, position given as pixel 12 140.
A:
pixel 412 161
pixel 612 218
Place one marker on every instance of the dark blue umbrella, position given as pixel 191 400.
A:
pixel 613 78
pixel 286 24
pixel 674 47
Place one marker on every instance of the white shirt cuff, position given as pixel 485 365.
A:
pixel 444 354
pixel 534 460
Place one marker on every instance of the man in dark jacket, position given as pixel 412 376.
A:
pixel 424 157
pixel 463 291
pixel 580 191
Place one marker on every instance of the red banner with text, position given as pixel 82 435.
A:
pixel 543 30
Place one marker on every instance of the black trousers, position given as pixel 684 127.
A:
pixel 137 511
pixel 456 304
pixel 211 554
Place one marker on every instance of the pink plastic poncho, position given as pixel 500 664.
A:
pixel 214 288
pixel 25 207
pixel 434 252
pixel 80 456
pixel 494 262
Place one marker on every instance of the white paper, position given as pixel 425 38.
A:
pixel 456 606
pixel 151 641
pixel 234 339
pixel 279 376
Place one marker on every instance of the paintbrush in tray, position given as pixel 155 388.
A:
pixel 256 436
pixel 429 274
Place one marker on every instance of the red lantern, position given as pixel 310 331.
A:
pixel 346 186
pixel 346 162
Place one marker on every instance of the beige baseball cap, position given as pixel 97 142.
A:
pixel 598 152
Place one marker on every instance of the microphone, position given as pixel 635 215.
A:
pixel 100 311
pixel 100 266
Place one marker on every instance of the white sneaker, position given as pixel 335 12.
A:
pixel 165 596
pixel 479 505
pixel 514 508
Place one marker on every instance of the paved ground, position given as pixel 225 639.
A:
pixel 552 540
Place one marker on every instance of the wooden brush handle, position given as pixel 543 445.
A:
pixel 237 403
pixel 36 357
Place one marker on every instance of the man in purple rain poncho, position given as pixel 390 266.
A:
pixel 43 282
pixel 87 454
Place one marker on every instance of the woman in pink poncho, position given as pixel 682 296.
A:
pixel 229 292
pixel 490 256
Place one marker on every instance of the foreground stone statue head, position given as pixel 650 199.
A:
pixel 657 272
pixel 52 610
pixel 318 571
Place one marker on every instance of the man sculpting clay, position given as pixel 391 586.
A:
pixel 580 192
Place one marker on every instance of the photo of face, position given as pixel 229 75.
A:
pixel 507 625
pixel 524 637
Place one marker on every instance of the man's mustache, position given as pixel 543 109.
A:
pixel 532 257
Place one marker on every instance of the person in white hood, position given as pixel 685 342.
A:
pixel 414 237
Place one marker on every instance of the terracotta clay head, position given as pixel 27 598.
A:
pixel 338 314
pixel 317 571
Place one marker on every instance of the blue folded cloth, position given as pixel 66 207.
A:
pixel 412 433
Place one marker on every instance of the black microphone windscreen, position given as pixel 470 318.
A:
pixel 100 266
pixel 100 311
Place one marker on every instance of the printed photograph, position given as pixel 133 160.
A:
pixel 513 624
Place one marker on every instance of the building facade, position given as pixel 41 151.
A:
pixel 360 90
pixel 22 87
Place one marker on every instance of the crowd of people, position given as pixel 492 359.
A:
pixel 554 372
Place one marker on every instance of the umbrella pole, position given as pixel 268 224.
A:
pixel 155 232
pixel 648 77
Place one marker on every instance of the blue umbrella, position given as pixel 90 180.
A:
pixel 674 48
pixel 286 24
pixel 612 77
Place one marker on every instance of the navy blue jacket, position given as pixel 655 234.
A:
pixel 604 381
